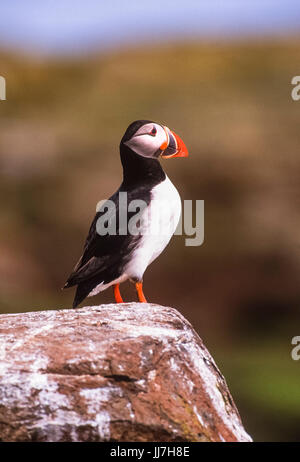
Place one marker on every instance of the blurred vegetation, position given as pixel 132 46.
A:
pixel 59 135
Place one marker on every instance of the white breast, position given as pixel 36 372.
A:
pixel 158 224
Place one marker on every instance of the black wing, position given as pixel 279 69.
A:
pixel 104 256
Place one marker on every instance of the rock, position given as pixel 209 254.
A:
pixel 127 372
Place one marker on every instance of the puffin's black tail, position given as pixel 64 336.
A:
pixel 82 291
pixel 84 288
pixel 80 294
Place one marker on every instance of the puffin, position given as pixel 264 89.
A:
pixel 115 252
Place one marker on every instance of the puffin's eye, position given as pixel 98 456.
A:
pixel 153 131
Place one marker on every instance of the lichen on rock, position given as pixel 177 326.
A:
pixel 126 372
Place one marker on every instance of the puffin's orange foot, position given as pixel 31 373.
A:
pixel 117 294
pixel 140 293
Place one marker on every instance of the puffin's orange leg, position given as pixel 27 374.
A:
pixel 117 294
pixel 140 293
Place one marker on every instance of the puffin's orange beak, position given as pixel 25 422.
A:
pixel 174 147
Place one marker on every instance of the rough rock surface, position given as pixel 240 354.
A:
pixel 128 372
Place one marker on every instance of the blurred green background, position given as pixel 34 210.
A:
pixel 230 101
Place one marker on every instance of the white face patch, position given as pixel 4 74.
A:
pixel 147 140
